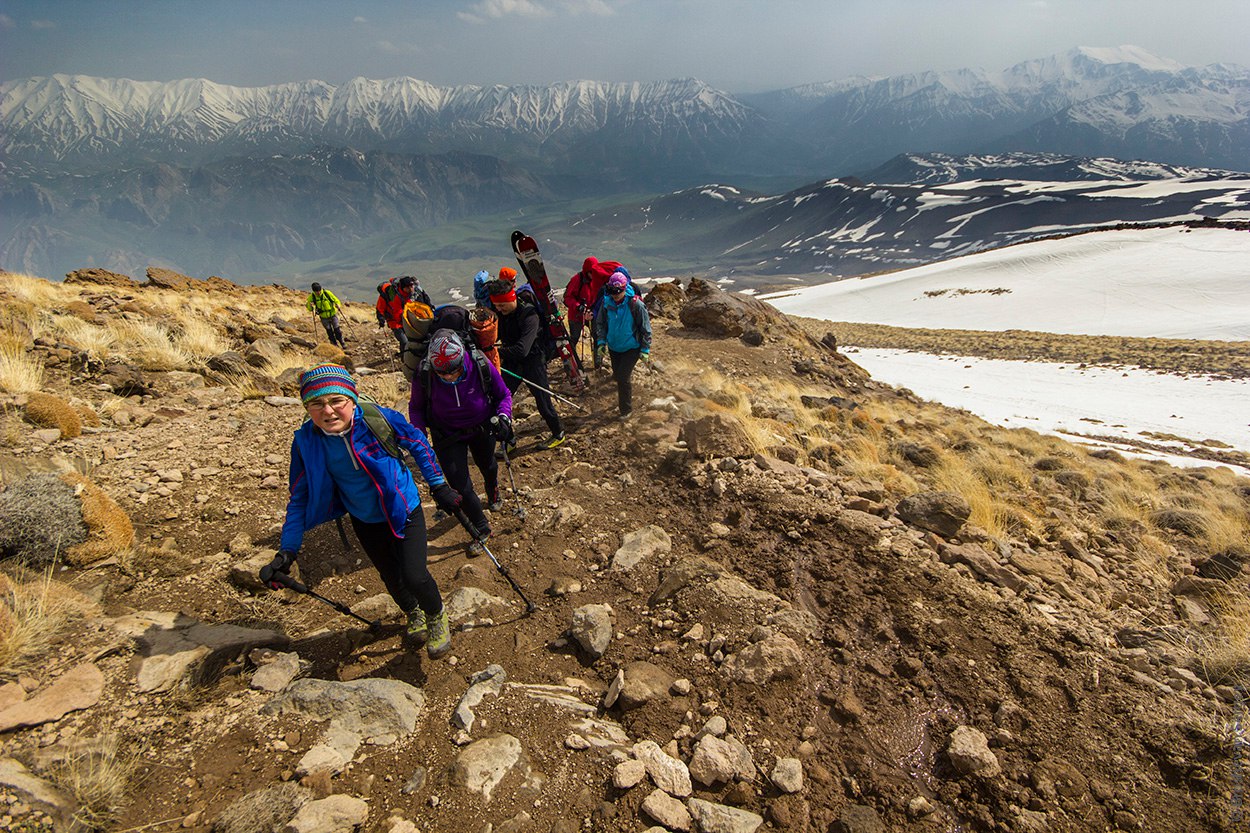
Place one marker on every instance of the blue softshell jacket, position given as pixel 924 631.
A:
pixel 314 499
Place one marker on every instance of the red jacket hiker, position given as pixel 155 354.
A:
pixel 585 286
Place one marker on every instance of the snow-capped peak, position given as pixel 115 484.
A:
pixel 1129 54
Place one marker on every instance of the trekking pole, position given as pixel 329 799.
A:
pixel 516 496
pixel 503 571
pixel 537 386
pixel 299 587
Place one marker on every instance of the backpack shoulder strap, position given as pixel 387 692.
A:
pixel 483 372
pixel 382 430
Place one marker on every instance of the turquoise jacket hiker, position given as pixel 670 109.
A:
pixel 623 325
pixel 323 303
pixel 315 498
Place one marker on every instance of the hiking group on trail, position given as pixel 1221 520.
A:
pixel 465 367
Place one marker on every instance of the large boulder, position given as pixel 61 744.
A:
pixel 101 277
pixel 942 513
pixel 717 435
pixel 168 279
pixel 726 314
pixel 665 300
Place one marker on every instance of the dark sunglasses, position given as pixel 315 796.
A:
pixel 620 290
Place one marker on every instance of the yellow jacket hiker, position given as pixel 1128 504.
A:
pixel 327 307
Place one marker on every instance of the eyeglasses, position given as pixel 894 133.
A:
pixel 448 373
pixel 620 290
pixel 334 403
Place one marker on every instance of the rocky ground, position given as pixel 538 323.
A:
pixel 729 634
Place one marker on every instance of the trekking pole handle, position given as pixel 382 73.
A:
pixel 290 582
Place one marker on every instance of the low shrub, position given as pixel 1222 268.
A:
pixel 50 411
pixel 40 518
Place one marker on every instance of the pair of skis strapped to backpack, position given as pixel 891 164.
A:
pixel 531 262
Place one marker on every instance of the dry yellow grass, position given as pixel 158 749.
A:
pixel 389 389
pixel 244 385
pixel 150 345
pixel 35 613
pixel 198 338
pixel 96 773
pixel 953 474
pixel 287 360
pixel 36 292
pixel 95 340
pixel 20 370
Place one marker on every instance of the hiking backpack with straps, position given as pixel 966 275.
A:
pixel 424 375
pixel 420 322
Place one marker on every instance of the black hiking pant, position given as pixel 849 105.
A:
pixel 622 372
pixel 333 331
pixel 535 370
pixel 453 456
pixel 401 562
pixel 402 338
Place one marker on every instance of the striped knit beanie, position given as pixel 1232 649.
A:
pixel 326 380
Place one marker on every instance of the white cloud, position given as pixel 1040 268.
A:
pixel 485 10
pixel 599 8
pixel 6 22
pixel 391 48
pixel 494 9
pixel 42 24
pixel 359 19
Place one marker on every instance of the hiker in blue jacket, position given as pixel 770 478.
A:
pixel 623 331
pixel 339 466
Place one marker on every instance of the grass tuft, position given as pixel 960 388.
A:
pixel 20 370
pixel 35 613
pixel 96 775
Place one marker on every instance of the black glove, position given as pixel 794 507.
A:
pixel 381 321
pixel 446 498
pixel 281 564
pixel 501 427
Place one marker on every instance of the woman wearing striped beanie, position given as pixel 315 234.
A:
pixel 339 467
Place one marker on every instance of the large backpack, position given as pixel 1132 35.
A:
pixel 421 322
pixel 425 373
pixel 389 289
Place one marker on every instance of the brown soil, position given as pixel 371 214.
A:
pixel 909 649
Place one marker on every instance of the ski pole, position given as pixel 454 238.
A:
pixel 503 571
pixel 537 386
pixel 516 496
pixel 299 587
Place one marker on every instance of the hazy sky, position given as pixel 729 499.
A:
pixel 735 45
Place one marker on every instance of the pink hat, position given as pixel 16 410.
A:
pixel 618 280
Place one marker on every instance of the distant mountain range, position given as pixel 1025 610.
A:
pixel 921 208
pixel 204 177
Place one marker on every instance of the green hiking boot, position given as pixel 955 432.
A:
pixel 440 636
pixel 418 629
pixel 556 440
